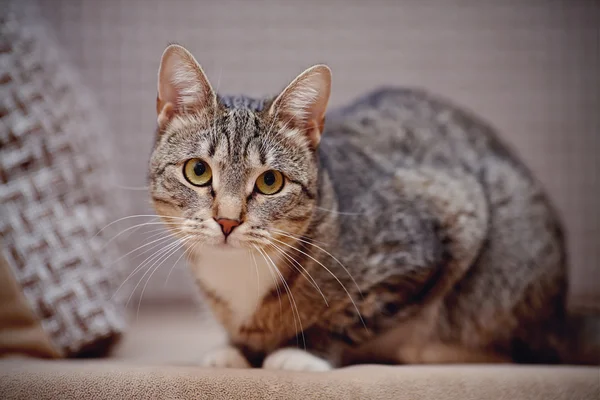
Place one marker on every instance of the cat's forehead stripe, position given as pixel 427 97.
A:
pixel 242 102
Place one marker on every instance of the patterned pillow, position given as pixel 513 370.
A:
pixel 54 189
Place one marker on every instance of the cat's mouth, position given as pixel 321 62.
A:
pixel 237 242
pixel 230 242
pixel 211 234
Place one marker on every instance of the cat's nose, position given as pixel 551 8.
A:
pixel 227 225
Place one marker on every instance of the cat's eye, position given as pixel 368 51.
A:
pixel 270 182
pixel 197 172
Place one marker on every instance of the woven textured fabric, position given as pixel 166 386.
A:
pixel 54 187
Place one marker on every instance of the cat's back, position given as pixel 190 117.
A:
pixel 404 127
pixel 522 255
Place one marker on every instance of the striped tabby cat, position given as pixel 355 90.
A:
pixel 403 231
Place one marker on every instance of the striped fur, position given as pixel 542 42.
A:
pixel 411 234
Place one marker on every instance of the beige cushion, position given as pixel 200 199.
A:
pixel 156 360
pixel 110 380
pixel 20 331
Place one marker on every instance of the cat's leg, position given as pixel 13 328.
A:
pixel 295 359
pixel 225 356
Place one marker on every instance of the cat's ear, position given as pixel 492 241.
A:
pixel 303 103
pixel 182 85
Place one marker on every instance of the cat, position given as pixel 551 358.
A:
pixel 402 231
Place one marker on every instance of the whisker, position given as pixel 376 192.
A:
pixel 333 275
pixel 270 230
pixel 130 187
pixel 332 256
pixel 164 238
pixel 292 303
pixel 309 278
pixel 194 243
pixel 338 212
pixel 257 274
pixel 153 230
pixel 274 281
pixel 139 225
pixel 136 216
pixel 167 251
pixel 157 219
pixel 141 266
pixel 154 271
pixel 215 113
pixel 131 232
pixel 155 234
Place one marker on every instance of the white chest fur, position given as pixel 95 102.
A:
pixel 237 277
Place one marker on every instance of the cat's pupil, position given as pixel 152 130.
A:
pixel 199 168
pixel 269 178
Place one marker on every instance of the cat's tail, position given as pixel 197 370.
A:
pixel 583 340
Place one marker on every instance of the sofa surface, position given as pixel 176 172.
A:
pixel 156 361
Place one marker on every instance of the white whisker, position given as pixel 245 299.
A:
pixel 338 212
pixel 182 244
pixel 171 249
pixel 140 225
pixel 130 187
pixel 257 274
pixel 156 232
pixel 294 236
pixel 142 264
pixel 293 304
pixel 164 238
pixel 303 271
pixel 330 255
pixel 332 274
pixel 190 248
pixel 274 281
pixel 136 216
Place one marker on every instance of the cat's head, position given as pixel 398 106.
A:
pixel 235 172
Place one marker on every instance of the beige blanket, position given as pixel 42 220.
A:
pixel 155 361
pixel 25 379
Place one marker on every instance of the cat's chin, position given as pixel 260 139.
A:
pixel 227 247
pixel 230 245
pixel 221 243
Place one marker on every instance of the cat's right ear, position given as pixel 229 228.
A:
pixel 182 85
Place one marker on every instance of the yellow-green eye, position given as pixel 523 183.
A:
pixel 197 172
pixel 270 182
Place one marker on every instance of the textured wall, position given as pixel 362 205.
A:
pixel 530 67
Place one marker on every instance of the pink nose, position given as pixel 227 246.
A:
pixel 227 225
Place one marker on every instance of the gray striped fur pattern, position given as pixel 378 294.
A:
pixel 405 231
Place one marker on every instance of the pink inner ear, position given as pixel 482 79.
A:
pixel 307 96
pixel 305 101
pixel 165 114
pixel 167 91
pixel 182 82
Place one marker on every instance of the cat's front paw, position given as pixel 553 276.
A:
pixel 225 357
pixel 291 359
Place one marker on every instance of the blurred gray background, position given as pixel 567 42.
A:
pixel 529 67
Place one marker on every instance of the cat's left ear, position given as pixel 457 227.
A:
pixel 182 85
pixel 303 103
